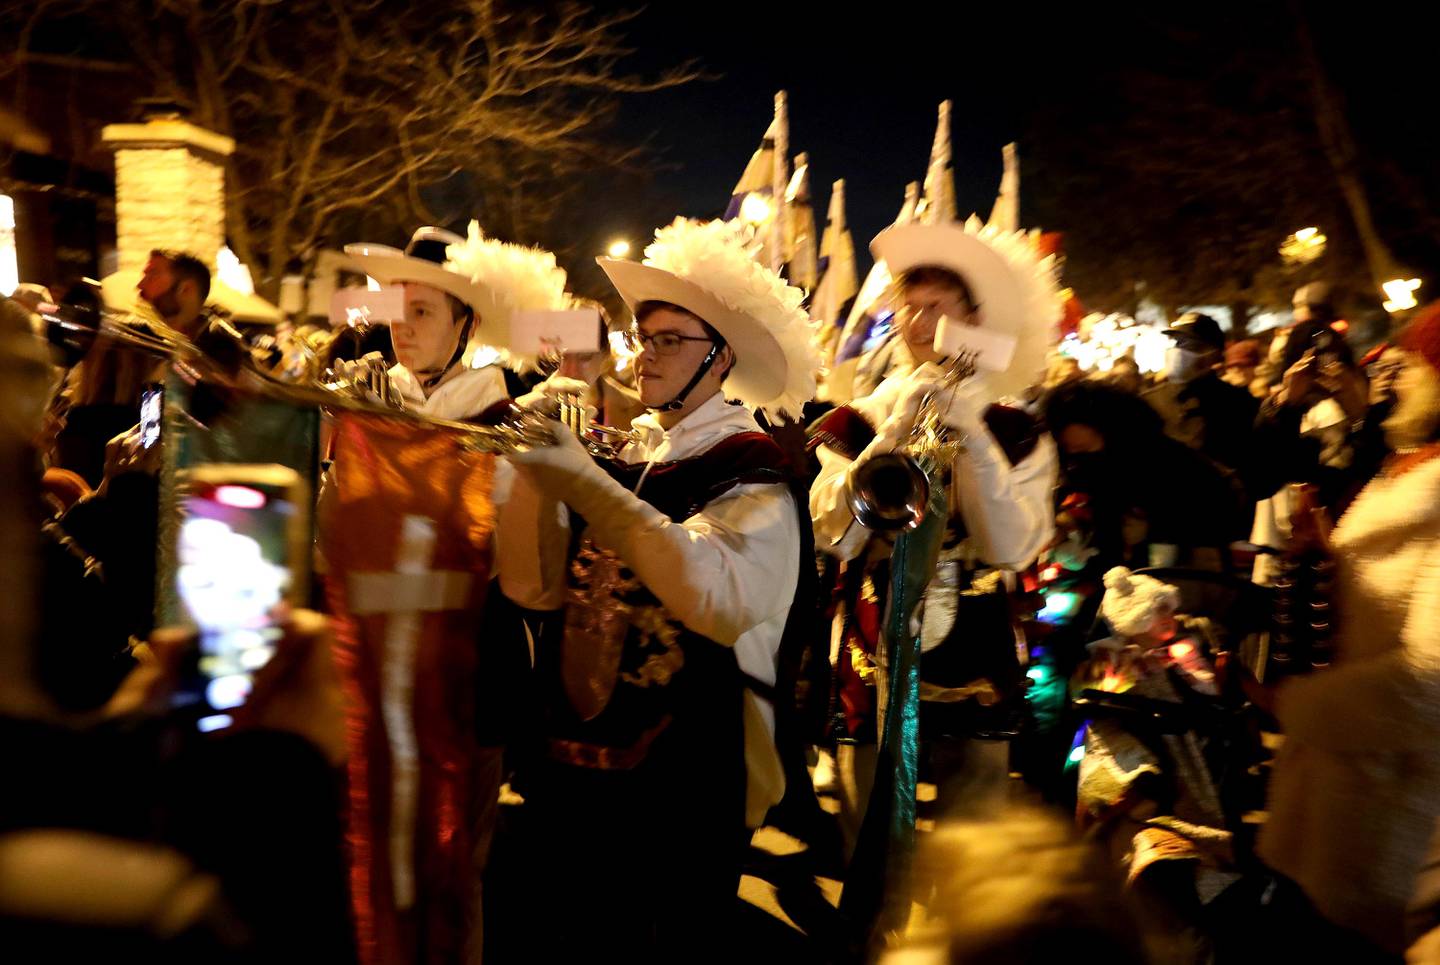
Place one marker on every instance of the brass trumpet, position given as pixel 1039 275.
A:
pixel 890 492
pixel 361 385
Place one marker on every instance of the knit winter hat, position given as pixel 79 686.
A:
pixel 1133 602
pixel 1423 334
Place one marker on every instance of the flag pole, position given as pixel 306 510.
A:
pixel 779 181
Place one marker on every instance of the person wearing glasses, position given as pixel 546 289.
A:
pixel 676 567
pixel 999 490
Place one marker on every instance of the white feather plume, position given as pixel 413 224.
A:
pixel 721 257
pixel 1041 298
pixel 518 278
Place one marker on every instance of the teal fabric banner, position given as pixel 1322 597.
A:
pixel 877 894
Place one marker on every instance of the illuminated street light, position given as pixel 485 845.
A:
pixel 1400 294
pixel 9 263
pixel 1303 247
pixel 230 270
pixel 619 248
pixel 755 209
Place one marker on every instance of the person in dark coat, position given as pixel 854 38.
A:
pixel 1144 488
pixel 1200 408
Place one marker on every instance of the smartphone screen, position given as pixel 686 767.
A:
pixel 152 407
pixel 235 565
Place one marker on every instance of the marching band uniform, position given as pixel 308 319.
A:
pixel 458 391
pixel 1000 491
pixel 439 736
pixel 677 566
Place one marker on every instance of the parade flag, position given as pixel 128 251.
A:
pixel 1005 215
pixel 838 282
pixel 756 180
pixel 759 195
pixel 800 255
pixel 865 312
pixel 780 179
pixel 938 204
pixel 406 530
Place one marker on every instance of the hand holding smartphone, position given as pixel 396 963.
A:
pixel 242 550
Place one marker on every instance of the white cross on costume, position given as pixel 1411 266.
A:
pixel 404 594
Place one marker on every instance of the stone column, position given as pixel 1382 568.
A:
pixel 169 188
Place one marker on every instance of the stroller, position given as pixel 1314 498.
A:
pixel 1170 774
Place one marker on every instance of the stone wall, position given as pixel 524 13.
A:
pixel 169 190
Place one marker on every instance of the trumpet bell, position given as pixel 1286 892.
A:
pixel 889 493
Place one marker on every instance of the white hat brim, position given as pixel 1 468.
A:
pixel 492 326
pixel 999 294
pixel 761 366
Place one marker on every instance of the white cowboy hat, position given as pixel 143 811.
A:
pixel 1014 288
pixel 423 262
pixel 709 269
pixel 997 292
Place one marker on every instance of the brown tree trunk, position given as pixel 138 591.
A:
pixel 1239 317
pixel 1340 151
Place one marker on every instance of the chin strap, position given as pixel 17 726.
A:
pixel 429 383
pixel 705 365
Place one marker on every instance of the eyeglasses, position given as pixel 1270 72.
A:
pixel 908 312
pixel 665 343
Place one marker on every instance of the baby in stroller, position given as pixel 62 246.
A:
pixel 1147 755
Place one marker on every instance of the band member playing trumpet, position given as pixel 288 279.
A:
pixel 677 566
pixel 999 496
pixel 459 295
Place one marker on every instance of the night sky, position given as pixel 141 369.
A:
pixel 863 99
pixel 864 88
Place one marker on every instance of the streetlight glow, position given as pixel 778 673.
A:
pixel 619 248
pixel 1400 294
pixel 755 209
pixel 1303 247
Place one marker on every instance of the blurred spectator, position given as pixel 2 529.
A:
pixel 31 295
pixel 1242 358
pixel 1061 369
pixel 1145 489
pixel 1355 796
pixel 1199 408
pixel 101 397
pixel 1124 375
pixel 1017 890
pixel 257 809
pixel 1312 309
pixel 27 373
pixel 1318 426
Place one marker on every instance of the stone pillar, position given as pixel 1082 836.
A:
pixel 169 188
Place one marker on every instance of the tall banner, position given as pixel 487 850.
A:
pixel 406 529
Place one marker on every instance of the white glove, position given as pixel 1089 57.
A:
pixel 562 469
pixel 962 407
pixel 617 518
pixel 895 431
pixel 556 385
